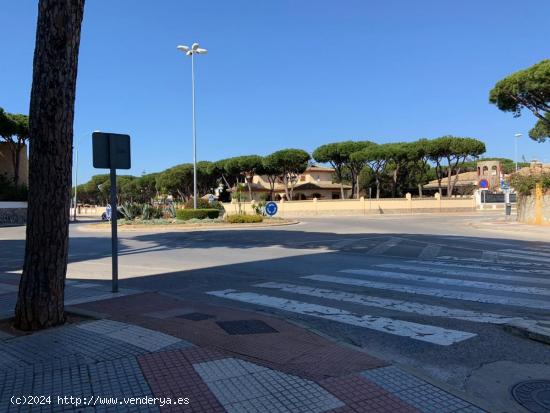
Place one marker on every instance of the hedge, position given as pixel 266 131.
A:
pixel 524 185
pixel 188 213
pixel 244 219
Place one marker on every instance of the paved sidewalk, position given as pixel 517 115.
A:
pixel 175 356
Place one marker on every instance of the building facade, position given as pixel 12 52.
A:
pixel 315 182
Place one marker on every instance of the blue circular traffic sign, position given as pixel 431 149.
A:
pixel 271 208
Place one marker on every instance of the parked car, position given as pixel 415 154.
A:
pixel 120 215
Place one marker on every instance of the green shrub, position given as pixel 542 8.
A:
pixel 204 204
pixel 201 204
pixel 524 185
pixel 151 212
pixel 189 213
pixel 131 211
pixel 244 219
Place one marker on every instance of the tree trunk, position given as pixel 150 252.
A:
pixel 341 189
pixel 394 180
pixel 17 165
pixel 40 303
pixel 449 185
pixel 420 190
pixel 285 181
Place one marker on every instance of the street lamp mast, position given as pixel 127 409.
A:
pixel 517 136
pixel 192 51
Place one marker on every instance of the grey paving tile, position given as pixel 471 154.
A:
pixel 62 347
pixel 241 386
pixel 416 392
pixel 225 369
pixel 144 338
pixel 120 379
pixel 392 378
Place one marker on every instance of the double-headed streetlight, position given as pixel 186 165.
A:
pixel 517 136
pixel 192 51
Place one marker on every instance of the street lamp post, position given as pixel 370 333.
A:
pixel 192 51
pixel 517 136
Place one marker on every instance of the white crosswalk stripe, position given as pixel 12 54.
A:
pixel 527 253
pixel 517 281
pixel 515 263
pixel 420 266
pixel 390 304
pixel 480 268
pixel 449 281
pixel 434 292
pixel 523 256
pixel 422 332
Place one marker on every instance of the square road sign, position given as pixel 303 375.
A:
pixel 111 150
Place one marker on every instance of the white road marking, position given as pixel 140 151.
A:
pixel 435 292
pixel 389 304
pixel 430 251
pixel 384 246
pixel 499 261
pixel 526 252
pixel 517 254
pixel 423 267
pixel 485 266
pixel 450 281
pixel 422 332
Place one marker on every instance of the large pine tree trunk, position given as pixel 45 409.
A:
pixel 41 290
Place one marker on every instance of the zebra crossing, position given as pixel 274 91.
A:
pixel 507 289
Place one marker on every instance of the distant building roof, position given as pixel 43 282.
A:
pixel 317 168
pixel 320 185
pixel 534 168
pixel 464 179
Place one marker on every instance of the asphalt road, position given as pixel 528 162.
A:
pixel 430 292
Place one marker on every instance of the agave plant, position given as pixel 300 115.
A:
pixel 130 211
pixel 146 212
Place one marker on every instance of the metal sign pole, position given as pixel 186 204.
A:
pixel 112 151
pixel 114 216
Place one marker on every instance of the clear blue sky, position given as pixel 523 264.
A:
pixel 287 73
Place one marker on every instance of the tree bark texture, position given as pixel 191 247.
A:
pixel 40 302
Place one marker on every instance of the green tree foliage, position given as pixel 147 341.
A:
pixel 541 131
pixel 176 181
pixel 290 163
pixel 338 155
pixel 449 153
pixel 271 169
pixel 375 157
pixel 246 166
pixel 529 89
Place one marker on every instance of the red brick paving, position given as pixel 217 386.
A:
pixel 361 395
pixel 171 374
pixel 293 350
